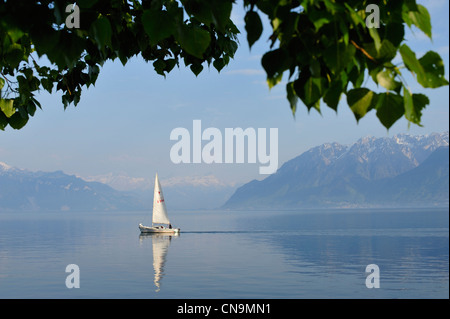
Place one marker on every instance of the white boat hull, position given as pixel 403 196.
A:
pixel 158 229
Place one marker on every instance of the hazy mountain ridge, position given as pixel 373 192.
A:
pixel 26 190
pixel 402 170
pixel 430 182
pixel 335 175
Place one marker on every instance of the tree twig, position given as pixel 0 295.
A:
pixel 363 51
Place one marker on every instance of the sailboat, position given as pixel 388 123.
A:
pixel 160 220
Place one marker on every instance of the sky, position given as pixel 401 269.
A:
pixel 120 131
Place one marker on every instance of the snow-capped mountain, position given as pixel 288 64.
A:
pixel 402 170
pixel 355 175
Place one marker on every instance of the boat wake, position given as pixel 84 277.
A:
pixel 223 231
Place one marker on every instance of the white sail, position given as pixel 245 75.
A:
pixel 159 206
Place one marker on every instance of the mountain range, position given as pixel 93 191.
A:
pixel 25 190
pixel 403 170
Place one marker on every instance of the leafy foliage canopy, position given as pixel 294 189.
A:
pixel 325 46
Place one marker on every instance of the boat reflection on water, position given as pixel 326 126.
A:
pixel 160 246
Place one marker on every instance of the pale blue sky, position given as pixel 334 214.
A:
pixel 122 125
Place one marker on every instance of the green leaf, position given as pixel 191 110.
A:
pixel 420 18
pixel 414 104
pixel 271 82
pixel 333 94
pixel 229 47
pixel 45 40
pixel 219 64
pixel 101 31
pixel 338 56
pixel 14 54
pixel 376 38
pixel 69 51
pixel 275 62
pixel 221 11
pixel 357 19
pixel 410 113
pixel 93 72
pixel 201 12
pixel 344 30
pixel 410 60
pixel 315 68
pixel 7 107
pixel 253 26
pixel 3 121
pixel 15 34
pixel 420 101
pixel 429 69
pixel 159 66
pixel 386 79
pixel 193 40
pixel 170 64
pixel 158 25
pixel 16 121
pixel 433 67
pixel 386 52
pixel 196 68
pixel 360 101
pixel 309 90
pixel 313 91
pixel 36 102
pixel 389 108
pixel 31 107
pixel 292 97
pixel 319 17
pixel 47 84
pixel 395 33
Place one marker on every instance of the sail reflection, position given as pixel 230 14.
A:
pixel 160 246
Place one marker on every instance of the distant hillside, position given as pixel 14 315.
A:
pixel 400 171
pixel 397 171
pixel 427 183
pixel 25 190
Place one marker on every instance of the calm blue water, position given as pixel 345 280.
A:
pixel 220 254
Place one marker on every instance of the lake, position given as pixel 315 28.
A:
pixel 227 254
